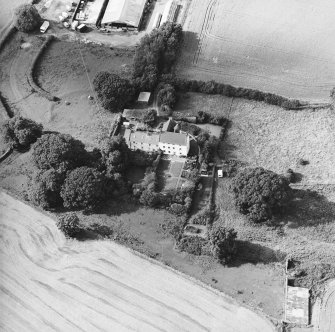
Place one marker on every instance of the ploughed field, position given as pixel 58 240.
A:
pixel 281 46
pixel 49 283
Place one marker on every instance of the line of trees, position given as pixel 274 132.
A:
pixel 156 54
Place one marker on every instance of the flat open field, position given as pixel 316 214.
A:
pixel 50 284
pixel 281 46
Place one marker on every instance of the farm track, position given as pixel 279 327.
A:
pixel 51 284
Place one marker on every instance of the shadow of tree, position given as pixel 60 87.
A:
pixel 308 208
pixel 248 252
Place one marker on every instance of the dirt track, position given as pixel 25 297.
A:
pixel 48 284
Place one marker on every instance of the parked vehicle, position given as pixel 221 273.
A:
pixel 220 173
pixel 66 25
pixel 44 27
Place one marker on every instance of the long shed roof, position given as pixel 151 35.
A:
pixel 124 11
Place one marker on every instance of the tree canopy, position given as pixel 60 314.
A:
pixel 59 151
pixel 27 18
pixel 114 92
pixel 150 117
pixel 167 96
pixel 222 240
pixel 84 188
pixel 156 54
pixel 45 189
pixel 21 132
pixel 259 193
pixel 115 154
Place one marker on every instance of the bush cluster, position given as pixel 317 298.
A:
pixel 21 132
pixel 192 245
pixel 70 176
pixel 260 193
pixel 156 54
pixel 204 117
pixel 69 224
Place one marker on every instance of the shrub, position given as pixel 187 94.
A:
pixel 203 217
pixel 45 189
pixel 259 193
pixel 84 188
pixel 223 243
pixel 150 117
pixel 27 18
pixel 192 245
pixel 150 198
pixel 114 92
pixel 177 209
pixel 69 224
pixel 167 96
pixel 21 132
pixel 59 151
pixel 141 158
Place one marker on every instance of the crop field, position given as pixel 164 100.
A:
pixel 49 283
pixel 281 46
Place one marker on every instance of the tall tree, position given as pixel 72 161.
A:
pixel 59 151
pixel 27 18
pixel 260 193
pixel 84 188
pixel 114 92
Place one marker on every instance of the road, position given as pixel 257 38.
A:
pixel 49 283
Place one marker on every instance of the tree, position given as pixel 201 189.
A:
pixel 259 193
pixel 85 188
pixel 222 241
pixel 150 117
pixel 27 18
pixel 167 96
pixel 115 154
pixel 45 189
pixel 59 151
pixel 69 224
pixel 21 132
pixel 156 54
pixel 113 91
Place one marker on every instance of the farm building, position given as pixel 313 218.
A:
pixel 169 143
pixel 144 97
pixel 123 13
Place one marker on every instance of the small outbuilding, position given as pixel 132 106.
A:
pixel 144 97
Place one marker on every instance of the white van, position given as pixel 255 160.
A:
pixel 220 173
pixel 44 27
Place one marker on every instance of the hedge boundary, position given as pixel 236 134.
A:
pixel 31 72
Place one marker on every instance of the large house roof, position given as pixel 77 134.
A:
pixel 124 12
pixel 173 138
